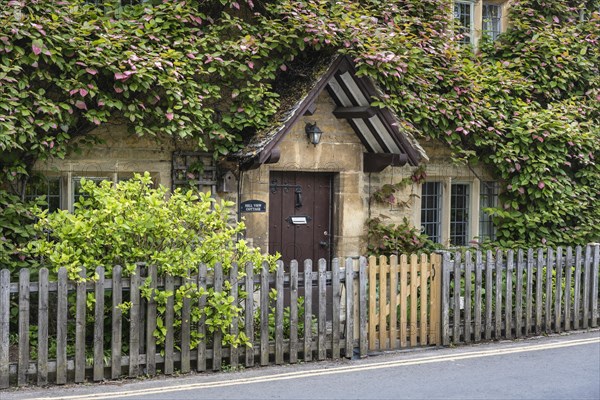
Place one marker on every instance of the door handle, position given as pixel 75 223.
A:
pixel 324 243
pixel 298 192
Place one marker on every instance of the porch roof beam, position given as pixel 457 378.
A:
pixel 354 112
pixel 374 162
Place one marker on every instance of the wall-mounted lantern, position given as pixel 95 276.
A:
pixel 313 133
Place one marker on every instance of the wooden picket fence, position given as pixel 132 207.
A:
pixel 58 309
pixel 404 301
pixel 506 295
pixel 379 304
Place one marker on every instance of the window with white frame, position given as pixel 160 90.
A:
pixel 431 210
pixel 65 190
pixel 459 214
pixel 464 15
pixel 453 212
pixel 491 24
pixel 488 198
pixel 475 19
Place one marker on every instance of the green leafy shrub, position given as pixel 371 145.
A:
pixel 286 318
pixel 396 239
pixel 16 231
pixel 132 222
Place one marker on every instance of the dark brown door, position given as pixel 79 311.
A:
pixel 300 216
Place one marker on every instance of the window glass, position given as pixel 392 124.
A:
pixel 431 210
pixel 45 186
pixel 463 14
pixel 78 193
pixel 459 214
pixel 492 16
pixel 488 198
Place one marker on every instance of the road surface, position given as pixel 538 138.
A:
pixel 556 367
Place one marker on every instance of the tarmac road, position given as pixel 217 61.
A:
pixel 555 367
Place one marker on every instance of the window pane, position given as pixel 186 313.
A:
pixel 463 14
pixel 78 193
pixel 45 186
pixel 459 214
pixel 431 210
pixel 488 198
pixel 492 17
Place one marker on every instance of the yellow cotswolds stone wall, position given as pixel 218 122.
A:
pixel 439 168
pixel 118 156
pixel 340 153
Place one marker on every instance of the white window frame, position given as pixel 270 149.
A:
pixel 489 191
pixel 494 23
pixel 467 218
pixel 471 27
pixel 438 208
pixel 473 212
pixel 67 183
pixel 477 23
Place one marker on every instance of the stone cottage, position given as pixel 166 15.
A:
pixel 305 185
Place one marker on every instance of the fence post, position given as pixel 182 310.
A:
pixel 349 308
pixel 4 326
pixel 373 317
pixel 279 277
pixel 151 323
pixel 594 291
pixel 307 309
pixel 467 295
pixel 264 314
pixel 294 312
pixel 99 326
pixel 362 305
pixel 249 313
pixel 336 299
pixel 445 283
pixel 435 321
pixel 42 359
pixel 234 357
pixel 134 329
pixel 23 326
pixel 169 343
pixel 456 297
pixel 61 327
pixel 117 322
pixel 185 328
pixel 218 334
pixel 201 362
pixel 322 316
pixel 80 309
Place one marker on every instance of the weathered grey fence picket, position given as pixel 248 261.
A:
pixel 505 295
pixel 61 353
pixel 471 296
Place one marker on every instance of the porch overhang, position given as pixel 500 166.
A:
pixel 378 129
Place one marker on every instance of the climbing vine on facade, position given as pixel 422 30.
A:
pixel 526 105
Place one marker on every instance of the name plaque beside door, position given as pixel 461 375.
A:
pixel 249 206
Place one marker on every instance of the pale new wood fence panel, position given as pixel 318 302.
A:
pixel 547 291
pixel 404 301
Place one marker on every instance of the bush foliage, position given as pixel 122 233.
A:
pixel 132 222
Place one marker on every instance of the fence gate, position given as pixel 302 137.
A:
pixel 404 301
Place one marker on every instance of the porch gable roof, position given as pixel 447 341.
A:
pixel 379 129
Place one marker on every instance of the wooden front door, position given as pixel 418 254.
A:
pixel 300 216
